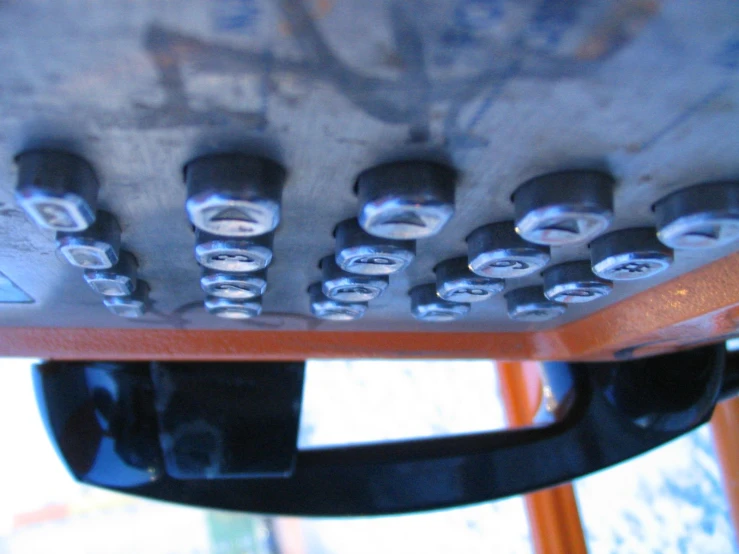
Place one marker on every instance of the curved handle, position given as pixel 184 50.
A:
pixel 605 413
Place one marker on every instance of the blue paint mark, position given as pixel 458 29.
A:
pixel 728 56
pixel 551 20
pixel 493 94
pixel 235 15
pixel 478 14
pixel 462 141
pixel 457 38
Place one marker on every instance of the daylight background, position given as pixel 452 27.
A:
pixel 668 500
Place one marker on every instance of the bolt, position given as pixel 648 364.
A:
pixel 530 304
pixel 561 208
pixel 95 247
pixel 629 254
pixel 427 306
pixel 359 252
pixel 234 195
pixel 406 200
pixel 57 190
pixel 496 250
pixel 236 286
pixel 323 307
pixel 233 308
pixel 574 282
pixel 349 287
pixel 701 216
pixel 236 255
pixel 456 283
pixel 119 280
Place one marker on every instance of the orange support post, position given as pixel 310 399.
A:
pixel 725 429
pixel 553 515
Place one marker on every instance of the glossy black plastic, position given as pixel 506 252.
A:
pixel 226 421
pixel 595 415
pixel 102 421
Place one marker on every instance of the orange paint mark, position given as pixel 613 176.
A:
pixel 52 512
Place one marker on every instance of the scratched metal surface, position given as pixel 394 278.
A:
pixel 503 90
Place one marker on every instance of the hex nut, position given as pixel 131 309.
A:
pixel 96 247
pixel 234 195
pixel 456 283
pixel 629 254
pixel 323 307
pixel 428 307
pixel 349 287
pixel 529 304
pixel 231 308
pixel 406 200
pixel 359 252
pixel 701 216
pixel 132 306
pixel 235 286
pixel 57 190
pixel 567 207
pixel 574 283
pixel 233 254
pixel 496 250
pixel 119 280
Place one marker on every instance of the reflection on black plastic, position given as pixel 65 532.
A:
pixel 101 417
pixel 223 426
pixel 221 421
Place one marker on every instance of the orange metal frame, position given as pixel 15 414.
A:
pixel 725 428
pixel 697 307
pixel 553 515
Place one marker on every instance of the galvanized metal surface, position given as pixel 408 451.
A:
pixel 501 91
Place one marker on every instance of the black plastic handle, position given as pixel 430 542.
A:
pixel 598 415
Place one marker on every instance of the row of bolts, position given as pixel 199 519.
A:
pixel 234 205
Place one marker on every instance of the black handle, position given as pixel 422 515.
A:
pixel 598 414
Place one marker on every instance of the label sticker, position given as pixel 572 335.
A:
pixel 10 293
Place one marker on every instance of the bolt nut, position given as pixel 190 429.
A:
pixel 496 250
pixel 629 254
pixel 57 190
pixel 96 247
pixel 427 306
pixel 566 207
pixel 530 304
pixel 236 286
pixel 119 280
pixel 323 307
pixel 456 283
pixel 132 306
pixel 702 216
pixel 237 255
pixel 574 283
pixel 231 308
pixel 359 252
pixel 349 287
pixel 234 195
pixel 406 200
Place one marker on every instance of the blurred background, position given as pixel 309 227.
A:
pixel 668 500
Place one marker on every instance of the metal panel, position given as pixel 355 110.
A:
pixel 503 91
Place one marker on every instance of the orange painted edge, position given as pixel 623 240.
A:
pixel 725 430
pixel 699 306
pixel 554 518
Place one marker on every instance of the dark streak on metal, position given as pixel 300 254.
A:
pixel 405 100
pixel 685 115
